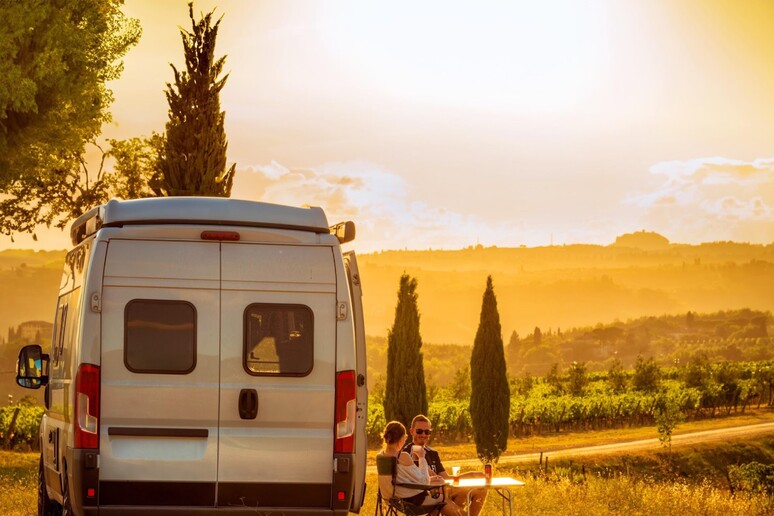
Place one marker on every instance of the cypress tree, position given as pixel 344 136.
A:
pixel 192 160
pixel 405 393
pixel 490 397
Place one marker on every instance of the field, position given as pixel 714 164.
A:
pixel 18 481
pixel 689 480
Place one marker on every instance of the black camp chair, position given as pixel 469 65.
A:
pixel 387 466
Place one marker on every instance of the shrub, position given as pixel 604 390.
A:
pixel 27 425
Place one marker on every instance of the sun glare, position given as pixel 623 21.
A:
pixel 522 56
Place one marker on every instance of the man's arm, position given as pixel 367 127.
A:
pixel 435 462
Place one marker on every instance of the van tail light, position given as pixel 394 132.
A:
pixel 87 407
pixel 220 235
pixel 346 405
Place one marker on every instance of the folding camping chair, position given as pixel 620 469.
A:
pixel 387 467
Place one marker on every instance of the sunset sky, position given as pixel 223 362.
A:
pixel 443 124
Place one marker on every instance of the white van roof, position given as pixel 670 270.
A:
pixel 198 210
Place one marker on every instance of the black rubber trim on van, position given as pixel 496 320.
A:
pixel 202 494
pixel 164 494
pixel 158 432
pixel 256 495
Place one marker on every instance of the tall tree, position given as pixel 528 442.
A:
pixel 647 374
pixel 135 166
pixel 405 393
pixel 490 397
pixel 537 335
pixel 514 351
pixel 55 61
pixel 577 378
pixel 193 160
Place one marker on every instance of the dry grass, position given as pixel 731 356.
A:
pixel 617 496
pixel 556 493
pixel 18 483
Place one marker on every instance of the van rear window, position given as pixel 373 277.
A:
pixel 278 340
pixel 160 336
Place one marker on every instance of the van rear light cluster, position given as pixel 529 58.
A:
pixel 220 235
pixel 346 405
pixel 87 407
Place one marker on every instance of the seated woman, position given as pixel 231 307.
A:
pixel 410 473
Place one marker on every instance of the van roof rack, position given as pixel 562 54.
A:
pixel 214 211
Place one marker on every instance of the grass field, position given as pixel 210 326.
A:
pixel 688 481
pixel 18 483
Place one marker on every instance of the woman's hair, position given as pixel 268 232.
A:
pixel 393 432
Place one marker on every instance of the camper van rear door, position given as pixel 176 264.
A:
pixel 159 373
pixel 278 337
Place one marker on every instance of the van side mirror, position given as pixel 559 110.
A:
pixel 344 231
pixel 32 367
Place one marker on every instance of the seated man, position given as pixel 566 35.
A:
pixel 420 435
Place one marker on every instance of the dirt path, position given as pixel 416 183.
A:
pixel 653 444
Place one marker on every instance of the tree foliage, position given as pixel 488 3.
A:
pixel 646 374
pixel 136 165
pixel 578 378
pixel 55 61
pixel 753 477
pixel 616 376
pixel 460 387
pixel 490 396
pixel 405 393
pixel 193 161
pixel 667 413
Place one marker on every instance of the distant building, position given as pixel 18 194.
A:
pixel 31 331
pixel 645 240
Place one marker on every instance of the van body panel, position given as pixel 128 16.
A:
pixel 212 211
pixel 56 428
pixel 290 440
pixel 159 401
pixel 361 446
pixel 194 232
pixel 216 363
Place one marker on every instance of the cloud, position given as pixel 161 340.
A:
pixel 377 200
pixel 710 199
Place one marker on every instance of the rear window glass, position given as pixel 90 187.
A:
pixel 278 340
pixel 160 336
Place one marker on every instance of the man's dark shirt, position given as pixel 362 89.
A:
pixel 431 456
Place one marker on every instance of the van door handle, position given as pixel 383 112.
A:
pixel 248 403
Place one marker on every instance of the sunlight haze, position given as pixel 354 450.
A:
pixel 447 124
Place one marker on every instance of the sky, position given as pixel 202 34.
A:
pixel 445 124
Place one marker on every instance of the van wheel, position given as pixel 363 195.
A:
pixel 67 507
pixel 46 507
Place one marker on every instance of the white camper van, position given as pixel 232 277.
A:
pixel 208 357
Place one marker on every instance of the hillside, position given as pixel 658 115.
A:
pixel 30 280
pixel 736 335
pixel 559 287
pixel 552 288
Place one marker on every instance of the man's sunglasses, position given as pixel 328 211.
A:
pixel 420 431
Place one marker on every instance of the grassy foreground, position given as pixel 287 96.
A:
pixel 688 481
pixel 18 483
pixel 620 495
pixel 685 482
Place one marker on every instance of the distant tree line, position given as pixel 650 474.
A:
pixel 445 364
pixel 726 335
